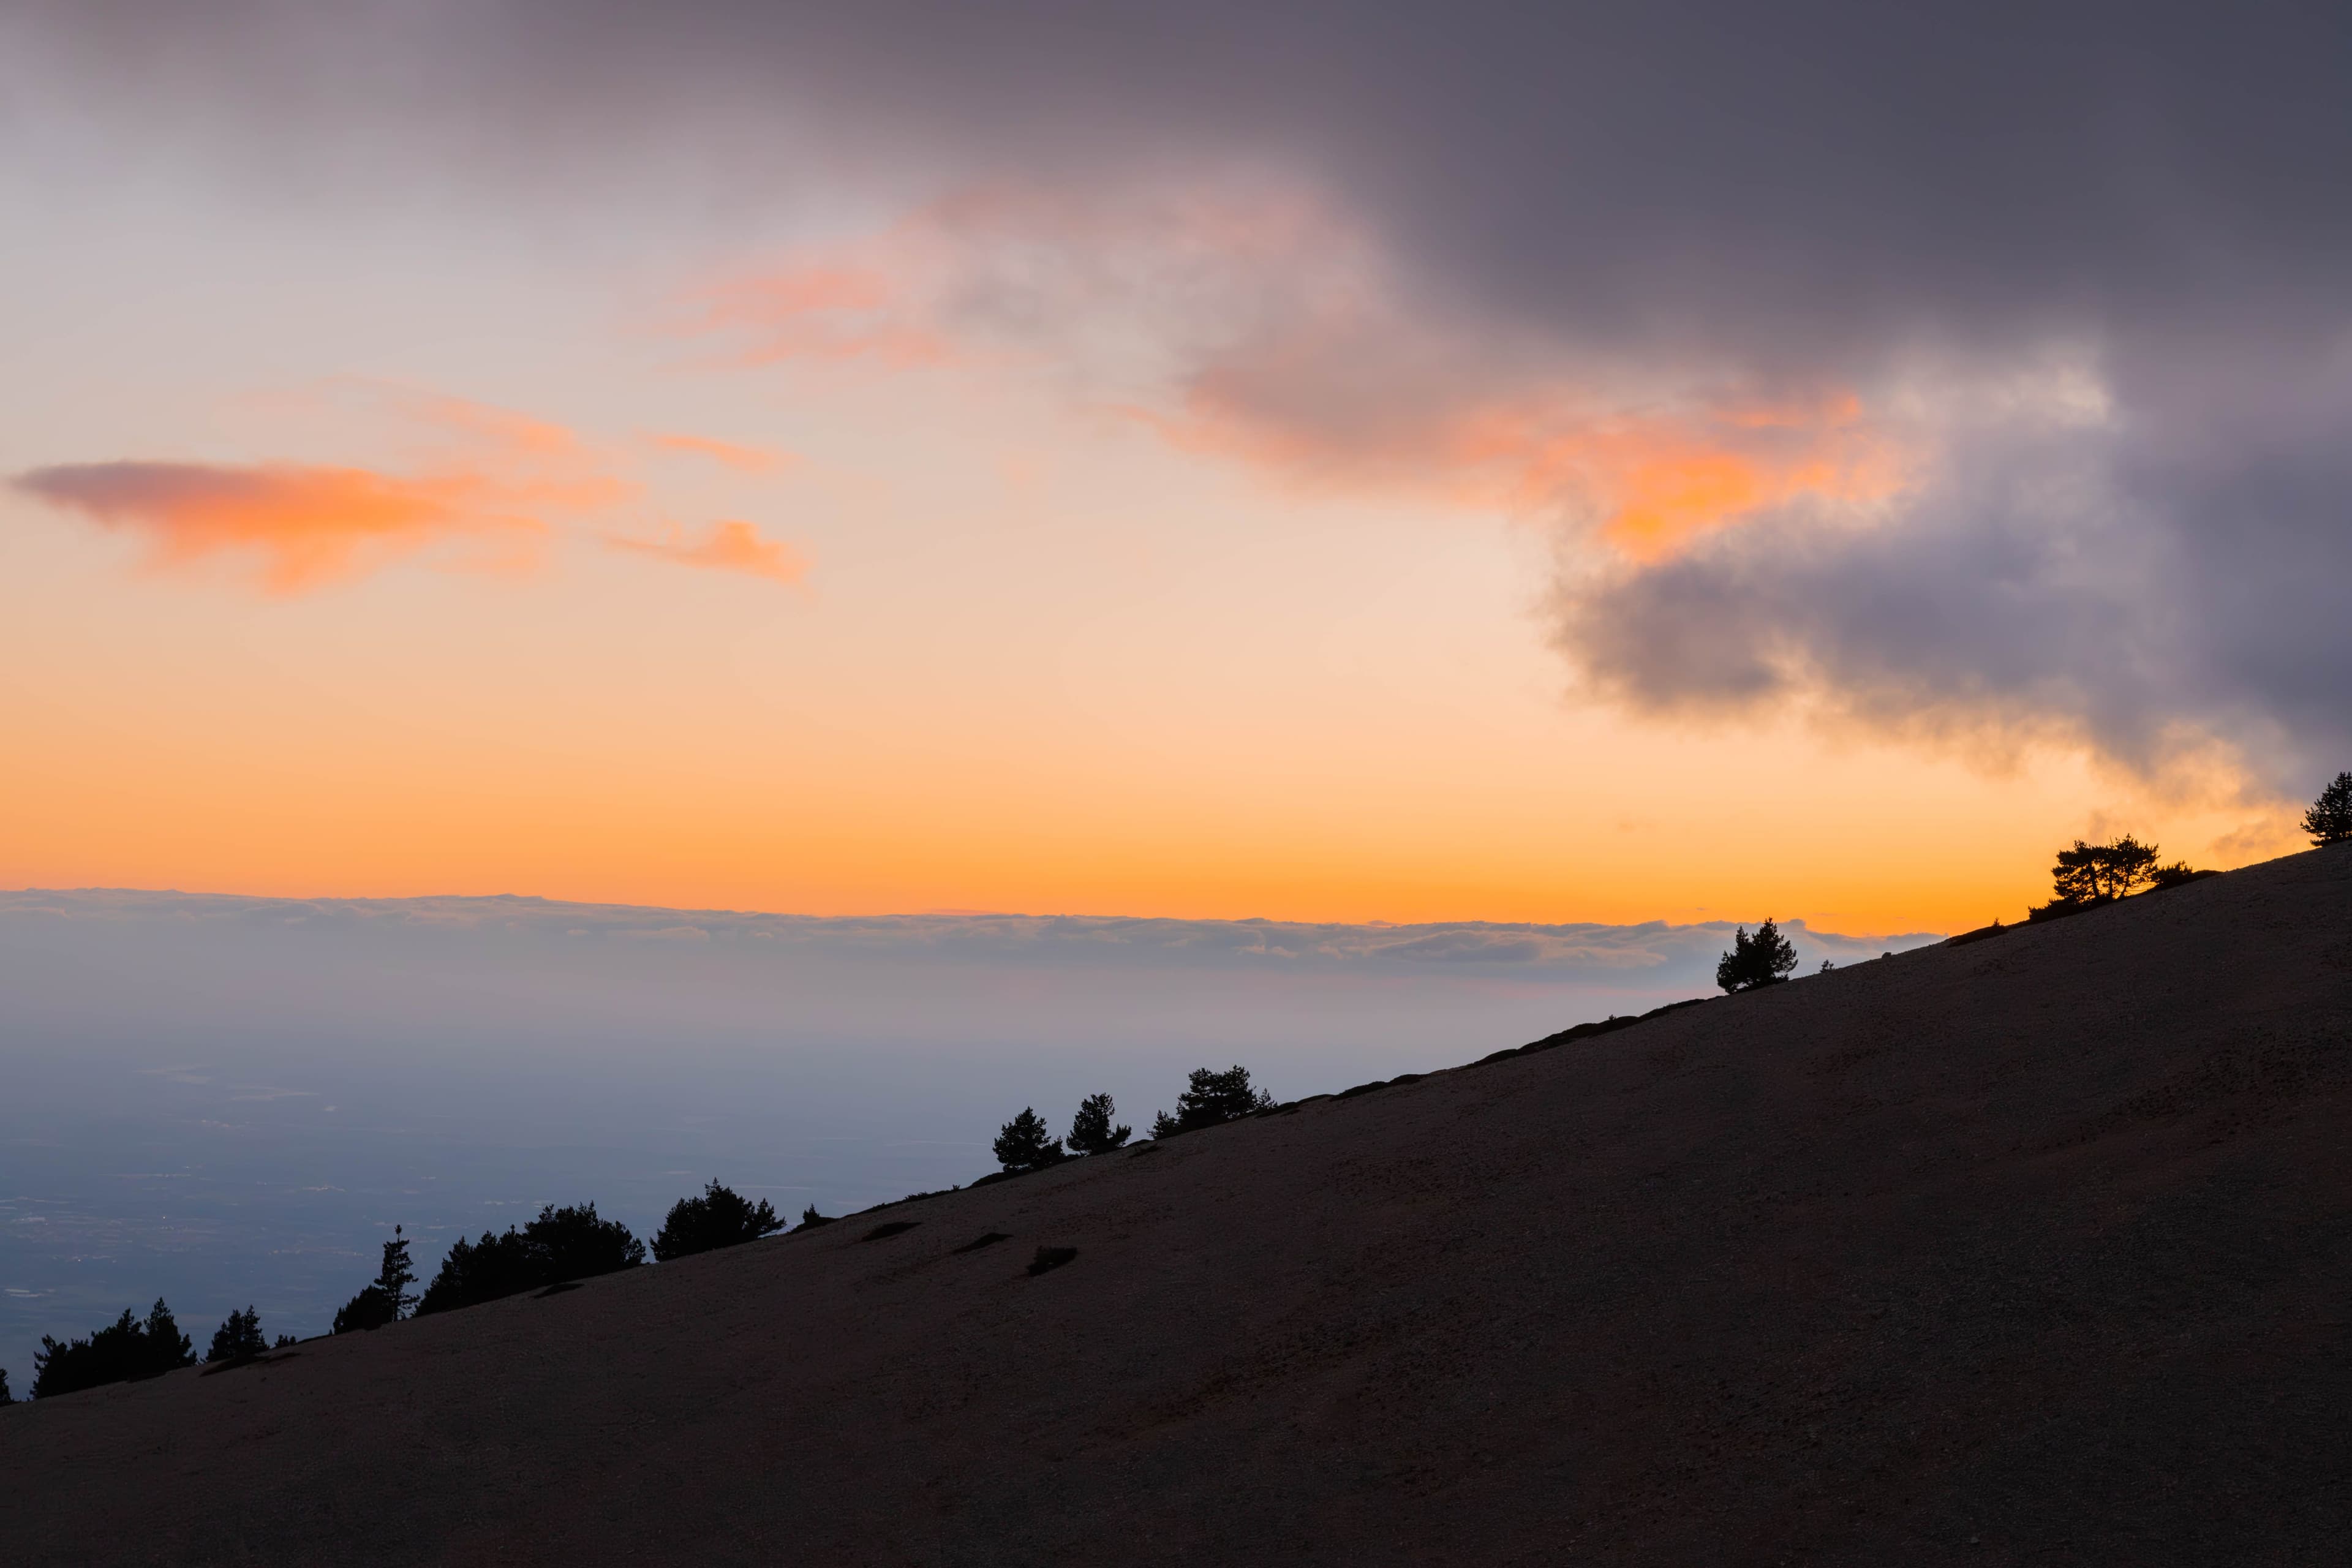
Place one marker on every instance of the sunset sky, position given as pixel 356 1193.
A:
pixel 1344 463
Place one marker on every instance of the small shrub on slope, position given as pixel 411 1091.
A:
pixel 371 1309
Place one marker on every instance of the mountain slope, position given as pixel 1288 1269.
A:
pixel 2038 1249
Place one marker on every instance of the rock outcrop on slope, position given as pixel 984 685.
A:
pixel 2036 1249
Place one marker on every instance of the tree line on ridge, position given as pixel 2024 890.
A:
pixel 564 1245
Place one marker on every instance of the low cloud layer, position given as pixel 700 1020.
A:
pixel 1648 956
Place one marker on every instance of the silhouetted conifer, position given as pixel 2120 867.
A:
pixel 1765 959
pixel 394 1278
pixel 5 1398
pixel 1091 1131
pixel 562 1244
pixel 720 1218
pixel 238 1337
pixel 2329 820
pixel 123 1349
pixel 1211 1099
pixel 1026 1143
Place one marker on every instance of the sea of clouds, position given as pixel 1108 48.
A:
pixel 229 1100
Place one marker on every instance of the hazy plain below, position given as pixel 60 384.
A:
pixel 230 1101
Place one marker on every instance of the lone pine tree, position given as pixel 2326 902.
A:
pixel 1091 1131
pixel 2329 820
pixel 1765 959
pixel 388 1298
pixel 1026 1143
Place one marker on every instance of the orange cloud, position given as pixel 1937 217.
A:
pixel 744 459
pixel 496 484
pixel 1656 482
pixel 307 524
pixel 1256 325
pixel 731 545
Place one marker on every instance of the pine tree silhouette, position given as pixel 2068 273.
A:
pixel 1765 959
pixel 1026 1143
pixel 2329 820
pixel 1091 1131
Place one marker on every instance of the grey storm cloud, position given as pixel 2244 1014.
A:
pixel 1787 195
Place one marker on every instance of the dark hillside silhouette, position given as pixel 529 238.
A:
pixel 2028 1251
pixel 123 1349
pixel 562 1244
pixel 1212 1099
pixel 720 1218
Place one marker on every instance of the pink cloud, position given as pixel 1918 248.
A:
pixel 729 546
pixel 727 454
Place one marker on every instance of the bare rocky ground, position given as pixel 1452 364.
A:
pixel 2034 1250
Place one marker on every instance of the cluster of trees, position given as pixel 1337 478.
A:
pixel 125 1348
pixel 559 1246
pixel 1209 1099
pixel 131 1347
pixel 2088 874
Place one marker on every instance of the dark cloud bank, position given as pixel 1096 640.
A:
pixel 1781 197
